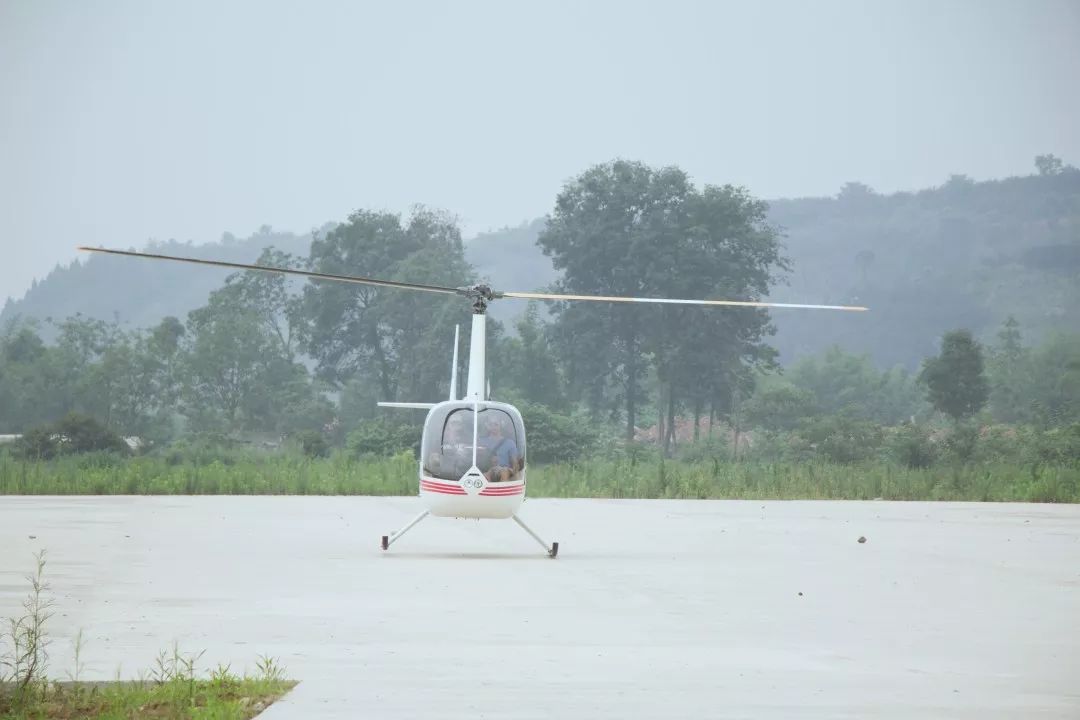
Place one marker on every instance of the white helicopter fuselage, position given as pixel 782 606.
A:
pixel 470 495
pixel 467 501
pixel 455 476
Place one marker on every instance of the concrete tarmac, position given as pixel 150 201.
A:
pixel 653 609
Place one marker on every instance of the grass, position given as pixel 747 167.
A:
pixel 171 690
pixel 220 697
pixel 812 480
pixel 598 478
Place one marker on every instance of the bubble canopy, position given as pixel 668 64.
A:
pixel 453 431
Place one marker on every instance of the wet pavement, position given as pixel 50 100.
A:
pixel 653 609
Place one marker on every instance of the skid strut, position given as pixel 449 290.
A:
pixel 552 551
pixel 388 539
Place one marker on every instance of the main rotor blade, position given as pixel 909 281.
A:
pixel 672 301
pixel 283 271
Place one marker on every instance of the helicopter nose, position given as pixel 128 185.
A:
pixel 473 481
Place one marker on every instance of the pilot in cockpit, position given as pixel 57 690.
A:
pixel 454 455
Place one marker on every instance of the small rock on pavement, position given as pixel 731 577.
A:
pixel 862 539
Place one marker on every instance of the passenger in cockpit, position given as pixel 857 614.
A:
pixel 502 451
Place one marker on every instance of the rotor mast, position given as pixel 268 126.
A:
pixel 476 389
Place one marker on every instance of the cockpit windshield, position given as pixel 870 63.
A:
pixel 449 440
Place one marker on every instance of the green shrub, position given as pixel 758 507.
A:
pixel 72 435
pixel 1058 446
pixel 1003 443
pixel 82 433
pixel 38 443
pixel 912 447
pixel 553 437
pixel 961 442
pixel 704 450
pixel 312 443
pixel 779 407
pixel 382 438
pixel 841 439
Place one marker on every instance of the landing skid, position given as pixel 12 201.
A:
pixel 552 550
pixel 387 540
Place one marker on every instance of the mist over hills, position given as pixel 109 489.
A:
pixel 964 254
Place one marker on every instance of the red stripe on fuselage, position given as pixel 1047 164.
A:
pixel 441 488
pixel 503 491
pixel 440 483
pixel 452 489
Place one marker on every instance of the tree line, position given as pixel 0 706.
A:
pixel 268 354
pixel 962 254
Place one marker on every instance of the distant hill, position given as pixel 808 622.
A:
pixel 509 259
pixel 965 254
pixel 139 293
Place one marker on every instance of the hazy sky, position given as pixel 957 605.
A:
pixel 126 121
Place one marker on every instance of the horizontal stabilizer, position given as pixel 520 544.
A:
pixel 419 406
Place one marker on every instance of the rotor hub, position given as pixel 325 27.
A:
pixel 480 295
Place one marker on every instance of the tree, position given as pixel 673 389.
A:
pixel 27 392
pixel 779 406
pixel 106 373
pixel 530 364
pixel 623 228
pixel 1009 375
pixel 93 368
pixel 602 235
pixel 955 381
pixel 163 347
pixel 238 366
pixel 844 383
pixel 227 364
pixel 268 296
pixel 855 192
pixel 720 245
pixel 80 346
pixel 1048 164
pixel 393 341
pixel 1055 380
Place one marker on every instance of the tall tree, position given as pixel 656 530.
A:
pixel 720 245
pixel 530 364
pixel 1048 164
pixel 274 298
pixel 1055 380
pixel 227 364
pixel 1009 375
pixel 238 364
pixel 955 379
pixel 623 228
pixel 602 236
pixel 386 338
pixel 163 346
pixel 26 387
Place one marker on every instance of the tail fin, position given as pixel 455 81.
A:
pixel 453 366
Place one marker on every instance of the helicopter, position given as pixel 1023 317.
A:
pixel 472 450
